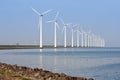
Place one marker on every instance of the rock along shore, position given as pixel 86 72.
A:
pixel 14 72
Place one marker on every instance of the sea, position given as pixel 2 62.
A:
pixel 97 63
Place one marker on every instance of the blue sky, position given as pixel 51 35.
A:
pixel 18 23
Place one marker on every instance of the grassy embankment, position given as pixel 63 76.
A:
pixel 27 46
pixel 8 76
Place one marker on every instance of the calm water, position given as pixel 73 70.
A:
pixel 99 63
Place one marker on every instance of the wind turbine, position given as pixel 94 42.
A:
pixel 100 42
pixel 82 38
pixel 55 27
pixel 40 23
pixel 85 34
pixel 78 32
pixel 73 35
pixel 88 38
pixel 103 43
pixel 94 40
pixel 64 29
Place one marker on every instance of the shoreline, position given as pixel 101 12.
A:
pixel 14 72
pixel 7 47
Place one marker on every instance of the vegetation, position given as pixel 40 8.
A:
pixel 14 72
pixel 19 46
pixel 13 76
pixel 28 46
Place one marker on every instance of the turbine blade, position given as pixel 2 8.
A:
pixel 50 21
pixel 35 11
pixel 46 12
pixel 69 24
pixel 81 30
pixel 56 16
pixel 63 29
pixel 62 21
pixel 75 25
pixel 74 30
pixel 39 25
pixel 58 26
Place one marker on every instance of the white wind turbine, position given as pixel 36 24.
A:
pixel 88 38
pixel 73 35
pixel 64 29
pixel 92 39
pixel 100 42
pixel 103 43
pixel 55 27
pixel 78 35
pixel 40 23
pixel 83 38
pixel 96 41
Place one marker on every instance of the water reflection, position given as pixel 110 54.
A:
pixel 55 63
pixel 41 60
pixel 72 61
pixel 41 50
pixel 55 50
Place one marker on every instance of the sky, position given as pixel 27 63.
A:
pixel 19 24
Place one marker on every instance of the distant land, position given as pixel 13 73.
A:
pixel 3 47
pixel 31 46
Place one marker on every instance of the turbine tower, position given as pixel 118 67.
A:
pixel 73 35
pixel 78 32
pixel 85 39
pixel 82 38
pixel 72 38
pixel 64 29
pixel 40 23
pixel 55 27
pixel 88 39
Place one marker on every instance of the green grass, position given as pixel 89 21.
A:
pixel 13 75
pixel 2 73
pixel 20 77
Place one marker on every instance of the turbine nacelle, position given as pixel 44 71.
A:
pixel 65 25
pixel 41 14
pixel 55 20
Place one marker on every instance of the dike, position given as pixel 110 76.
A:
pixel 14 72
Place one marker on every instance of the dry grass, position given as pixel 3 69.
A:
pixel 13 76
